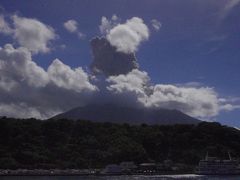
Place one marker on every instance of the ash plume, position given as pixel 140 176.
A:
pixel 110 62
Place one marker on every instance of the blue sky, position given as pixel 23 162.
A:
pixel 198 40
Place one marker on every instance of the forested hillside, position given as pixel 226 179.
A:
pixel 63 143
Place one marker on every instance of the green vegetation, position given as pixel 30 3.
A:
pixel 64 144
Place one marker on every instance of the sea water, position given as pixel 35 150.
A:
pixel 140 177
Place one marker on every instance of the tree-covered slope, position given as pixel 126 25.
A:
pixel 80 144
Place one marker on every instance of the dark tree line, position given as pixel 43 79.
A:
pixel 32 143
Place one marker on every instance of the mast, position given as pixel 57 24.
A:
pixel 229 155
pixel 206 158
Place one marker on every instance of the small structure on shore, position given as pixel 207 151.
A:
pixel 112 169
pixel 128 167
pixel 148 167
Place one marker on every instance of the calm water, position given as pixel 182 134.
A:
pixel 159 177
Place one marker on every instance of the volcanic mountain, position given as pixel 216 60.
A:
pixel 120 114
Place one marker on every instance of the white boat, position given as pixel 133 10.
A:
pixel 215 166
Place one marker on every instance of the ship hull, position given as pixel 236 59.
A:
pixel 217 173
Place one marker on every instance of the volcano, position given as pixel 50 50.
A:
pixel 120 114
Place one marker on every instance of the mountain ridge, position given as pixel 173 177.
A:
pixel 120 114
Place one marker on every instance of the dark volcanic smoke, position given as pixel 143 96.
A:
pixel 108 61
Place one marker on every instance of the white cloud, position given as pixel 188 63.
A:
pixel 22 110
pixel 190 84
pixel 27 90
pixel 200 102
pixel 108 24
pixel 33 34
pixel 62 46
pixel 81 35
pixel 16 66
pixel 134 82
pixel 230 103
pixel 4 26
pixel 6 83
pixel 156 24
pixel 230 4
pixel 229 107
pixel 105 25
pixel 65 77
pixel 128 36
pixel 72 27
pixel 29 33
pixel 18 110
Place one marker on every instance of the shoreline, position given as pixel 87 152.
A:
pixel 97 174
pixel 81 173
